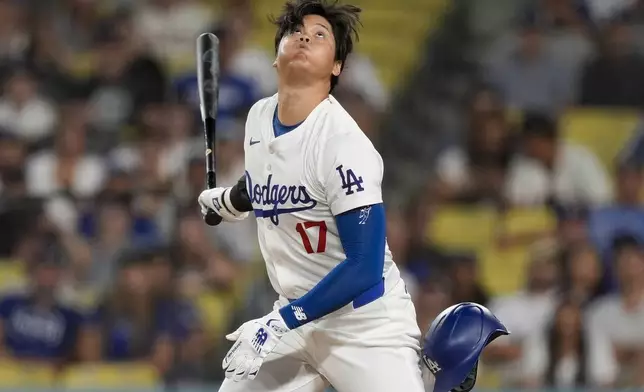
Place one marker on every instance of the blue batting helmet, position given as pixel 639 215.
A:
pixel 454 342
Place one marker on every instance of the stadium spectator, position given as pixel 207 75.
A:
pixel 227 298
pixel 615 335
pixel 464 274
pixel 632 153
pixel 46 59
pixel 124 80
pixel 556 357
pixel 363 111
pixel 68 167
pixel 525 313
pixel 476 171
pixel 614 78
pixel 625 215
pixel 109 239
pixel 398 240
pixel 20 216
pixel 185 329
pixel 361 77
pixel 135 322
pixel 528 78
pixel 13 153
pixel 559 14
pixel 170 27
pixel 74 22
pixel 550 170
pixel 247 60
pixel 237 92
pixel 238 240
pixel 35 325
pixel 421 258
pixel 191 244
pixel 14 34
pixel 143 159
pixel 572 225
pixel 189 184
pixel 602 11
pixel 636 13
pixel 23 111
pixel 433 297
pixel 582 274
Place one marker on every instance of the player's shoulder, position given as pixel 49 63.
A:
pixel 263 107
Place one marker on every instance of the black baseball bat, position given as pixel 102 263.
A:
pixel 208 78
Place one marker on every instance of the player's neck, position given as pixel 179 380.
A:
pixel 296 103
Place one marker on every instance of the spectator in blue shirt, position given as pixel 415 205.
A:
pixel 34 325
pixel 237 93
pixel 134 324
pixel 625 215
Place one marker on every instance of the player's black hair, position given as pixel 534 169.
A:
pixel 343 18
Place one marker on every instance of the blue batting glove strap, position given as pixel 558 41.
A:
pixel 255 340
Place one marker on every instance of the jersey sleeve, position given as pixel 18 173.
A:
pixel 350 173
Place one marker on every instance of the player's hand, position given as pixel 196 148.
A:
pixel 254 340
pixel 218 200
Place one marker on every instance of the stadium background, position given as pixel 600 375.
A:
pixel 513 145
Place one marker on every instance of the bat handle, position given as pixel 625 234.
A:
pixel 211 218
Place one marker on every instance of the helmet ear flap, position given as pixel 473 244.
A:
pixel 468 384
pixel 470 380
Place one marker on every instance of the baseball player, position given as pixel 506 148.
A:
pixel 313 181
pixel 454 343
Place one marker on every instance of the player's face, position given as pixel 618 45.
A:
pixel 309 48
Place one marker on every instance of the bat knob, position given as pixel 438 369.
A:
pixel 211 218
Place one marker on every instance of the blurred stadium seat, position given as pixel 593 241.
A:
pixel 25 375
pixel 503 270
pixel 488 378
pixel 603 131
pixel 127 376
pixel 215 311
pixel 462 228
pixel 522 221
pixel 12 275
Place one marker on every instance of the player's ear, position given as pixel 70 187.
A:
pixel 275 63
pixel 337 68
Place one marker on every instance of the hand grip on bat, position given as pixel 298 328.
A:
pixel 212 218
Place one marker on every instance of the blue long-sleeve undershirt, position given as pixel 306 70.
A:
pixel 357 279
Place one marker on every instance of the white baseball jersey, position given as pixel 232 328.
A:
pixel 299 181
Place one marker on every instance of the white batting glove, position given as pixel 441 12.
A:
pixel 218 200
pixel 254 340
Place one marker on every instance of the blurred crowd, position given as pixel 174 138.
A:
pixel 104 256
pixel 578 318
